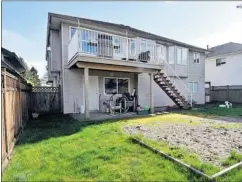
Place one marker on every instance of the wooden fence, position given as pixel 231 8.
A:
pixel 232 93
pixel 15 102
pixel 45 100
pixel 19 100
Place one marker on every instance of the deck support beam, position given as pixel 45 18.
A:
pixel 86 87
pixel 151 93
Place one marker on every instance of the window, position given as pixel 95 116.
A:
pixel 132 47
pixel 181 56
pixel 146 50
pixel 193 86
pixel 184 56
pixel 171 54
pixel 88 41
pixel 111 85
pixel 123 86
pixel 72 32
pixel 220 61
pixel 143 46
pixel 116 85
pixel 196 58
pixel 117 45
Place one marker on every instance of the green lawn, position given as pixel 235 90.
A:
pixel 59 148
pixel 213 110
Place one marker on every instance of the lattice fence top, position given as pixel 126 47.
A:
pixel 45 89
pixel 230 87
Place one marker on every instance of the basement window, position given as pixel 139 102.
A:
pixel 220 61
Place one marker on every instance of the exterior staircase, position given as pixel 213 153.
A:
pixel 170 89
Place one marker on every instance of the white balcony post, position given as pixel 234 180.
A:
pixel 127 46
pixel 86 86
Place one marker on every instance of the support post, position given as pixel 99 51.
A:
pixel 151 94
pixel 227 91
pixel 86 86
pixel 5 111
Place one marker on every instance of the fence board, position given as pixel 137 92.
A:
pixel 45 99
pixel 15 109
pixel 232 93
pixel 18 100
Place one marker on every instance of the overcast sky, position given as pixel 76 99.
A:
pixel 197 23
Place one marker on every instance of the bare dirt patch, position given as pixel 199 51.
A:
pixel 211 139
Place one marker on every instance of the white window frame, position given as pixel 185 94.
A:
pixel 182 62
pixel 70 27
pixel 178 48
pixel 134 40
pixel 174 55
pixel 148 42
pixel 196 56
pixel 117 85
pixel 193 86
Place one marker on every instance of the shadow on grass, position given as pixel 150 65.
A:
pixel 48 126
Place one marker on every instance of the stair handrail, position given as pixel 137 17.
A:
pixel 175 74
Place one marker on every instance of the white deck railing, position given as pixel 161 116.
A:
pixel 100 44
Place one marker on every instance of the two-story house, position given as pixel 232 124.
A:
pixel 224 65
pixel 92 59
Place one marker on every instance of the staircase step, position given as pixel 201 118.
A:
pixel 157 75
pixel 161 83
pixel 159 79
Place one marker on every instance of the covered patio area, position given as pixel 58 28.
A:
pixel 104 74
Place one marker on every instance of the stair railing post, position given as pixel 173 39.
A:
pixel 191 98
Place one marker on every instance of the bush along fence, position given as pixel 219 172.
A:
pixel 19 100
pixel 232 93
pixel 15 111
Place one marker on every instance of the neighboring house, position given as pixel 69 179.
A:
pixel 91 59
pixel 11 62
pixel 223 65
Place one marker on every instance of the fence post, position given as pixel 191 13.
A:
pixel 211 94
pixel 5 111
pixel 227 92
pixel 59 95
pixel 20 105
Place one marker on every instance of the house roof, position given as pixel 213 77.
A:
pixel 226 48
pixel 13 59
pixel 123 28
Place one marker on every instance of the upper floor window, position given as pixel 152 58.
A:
pixel 132 47
pixel 146 50
pixel 72 32
pixel 88 41
pixel 220 61
pixel 181 56
pixel 117 45
pixel 196 58
pixel 171 54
